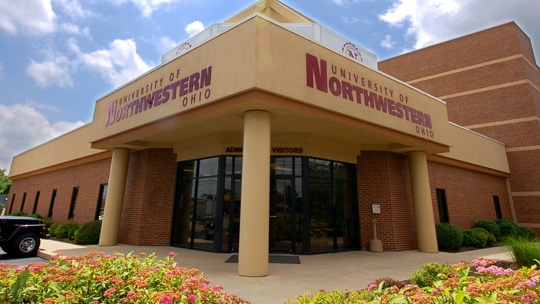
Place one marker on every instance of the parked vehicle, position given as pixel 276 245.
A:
pixel 21 236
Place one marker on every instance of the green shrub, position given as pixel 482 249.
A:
pixel 430 273
pixel 19 213
pixel 478 237
pixel 507 227
pixel 37 215
pixel 48 224
pixel 72 230
pixel 490 226
pixel 66 230
pixel 449 237
pixel 88 233
pixel 526 253
pixel 52 229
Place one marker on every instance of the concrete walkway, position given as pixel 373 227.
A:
pixel 344 271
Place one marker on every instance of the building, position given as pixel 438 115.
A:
pixel 270 133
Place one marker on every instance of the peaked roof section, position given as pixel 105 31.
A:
pixel 273 9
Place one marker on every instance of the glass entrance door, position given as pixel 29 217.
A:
pixel 281 216
pixel 285 228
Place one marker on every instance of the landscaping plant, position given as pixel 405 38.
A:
pixel 484 282
pixel 98 278
pixel 449 237
pixel 88 233
pixel 478 237
pixel 524 251
pixel 490 226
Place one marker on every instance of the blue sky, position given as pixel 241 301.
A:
pixel 59 56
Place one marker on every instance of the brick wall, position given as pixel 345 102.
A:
pixel 149 197
pixel 496 94
pixel 148 200
pixel 469 194
pixel 87 177
pixel 495 43
pixel 383 178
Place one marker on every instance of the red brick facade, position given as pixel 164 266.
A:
pixel 87 178
pixel 490 82
pixel 148 200
pixel 383 178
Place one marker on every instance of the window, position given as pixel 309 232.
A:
pixel 497 204
pixel 51 204
pixel 443 207
pixel 22 203
pixel 12 203
pixel 101 202
pixel 34 209
pixel 73 203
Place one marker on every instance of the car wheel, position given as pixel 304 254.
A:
pixel 26 245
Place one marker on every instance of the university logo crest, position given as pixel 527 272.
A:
pixel 349 49
pixel 184 47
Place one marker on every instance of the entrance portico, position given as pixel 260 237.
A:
pixel 326 107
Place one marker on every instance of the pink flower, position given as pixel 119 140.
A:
pixel 192 298
pixel 372 287
pixel 166 300
pixel 532 282
pixel 172 254
pixel 109 292
pixel 130 294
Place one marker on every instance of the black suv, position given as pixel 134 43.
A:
pixel 20 235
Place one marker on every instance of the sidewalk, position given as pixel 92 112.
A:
pixel 345 271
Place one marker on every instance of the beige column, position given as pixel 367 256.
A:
pixel 254 210
pixel 423 208
pixel 115 197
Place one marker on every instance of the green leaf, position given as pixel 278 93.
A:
pixel 20 282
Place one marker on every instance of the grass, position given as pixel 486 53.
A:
pixel 526 252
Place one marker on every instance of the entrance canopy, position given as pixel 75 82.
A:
pixel 316 97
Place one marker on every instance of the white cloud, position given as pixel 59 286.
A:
pixel 1 71
pixel 165 44
pixel 147 7
pixel 55 70
pixel 343 2
pixel 425 18
pixel 388 43
pixel 74 29
pixel 33 16
pixel 23 127
pixel 433 21
pixel 73 8
pixel 118 64
pixel 194 28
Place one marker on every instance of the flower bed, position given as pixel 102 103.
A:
pixel 99 278
pixel 484 282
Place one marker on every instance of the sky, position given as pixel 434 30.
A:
pixel 58 57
